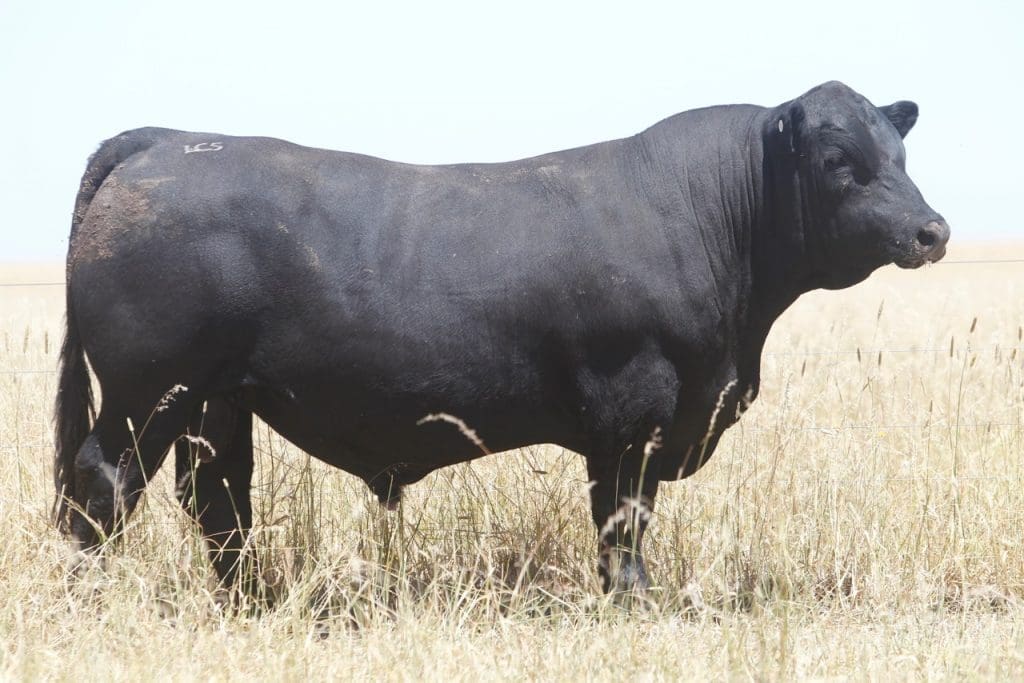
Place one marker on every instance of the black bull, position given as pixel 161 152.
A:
pixel 590 298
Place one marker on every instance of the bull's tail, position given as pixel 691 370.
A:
pixel 74 412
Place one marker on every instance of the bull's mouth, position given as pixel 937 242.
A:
pixel 915 258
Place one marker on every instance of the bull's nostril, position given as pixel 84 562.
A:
pixel 926 237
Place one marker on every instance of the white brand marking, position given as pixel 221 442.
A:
pixel 204 147
pixel 780 125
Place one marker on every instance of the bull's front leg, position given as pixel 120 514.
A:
pixel 622 492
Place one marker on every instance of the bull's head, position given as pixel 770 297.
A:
pixel 844 179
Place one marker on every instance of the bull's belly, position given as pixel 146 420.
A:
pixel 369 437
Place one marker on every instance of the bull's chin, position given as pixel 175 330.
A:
pixel 910 261
pixel 916 259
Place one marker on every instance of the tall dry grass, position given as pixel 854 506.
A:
pixel 863 520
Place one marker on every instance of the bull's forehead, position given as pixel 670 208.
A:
pixel 836 107
pixel 835 104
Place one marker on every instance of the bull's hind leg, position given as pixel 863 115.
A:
pixel 122 452
pixel 214 465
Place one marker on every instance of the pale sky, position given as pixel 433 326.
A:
pixel 442 82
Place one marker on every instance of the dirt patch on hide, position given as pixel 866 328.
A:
pixel 117 212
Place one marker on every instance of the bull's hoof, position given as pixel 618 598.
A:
pixel 81 564
pixel 631 578
pixel 627 576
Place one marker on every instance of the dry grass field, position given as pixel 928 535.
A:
pixel 863 520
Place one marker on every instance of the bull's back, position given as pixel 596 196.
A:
pixel 257 216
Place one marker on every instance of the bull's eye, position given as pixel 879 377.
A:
pixel 834 162
pixel 843 168
pixel 861 175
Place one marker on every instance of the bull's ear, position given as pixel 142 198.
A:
pixel 902 114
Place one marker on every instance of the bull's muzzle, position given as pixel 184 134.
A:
pixel 927 246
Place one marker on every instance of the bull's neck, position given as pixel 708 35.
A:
pixel 710 181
